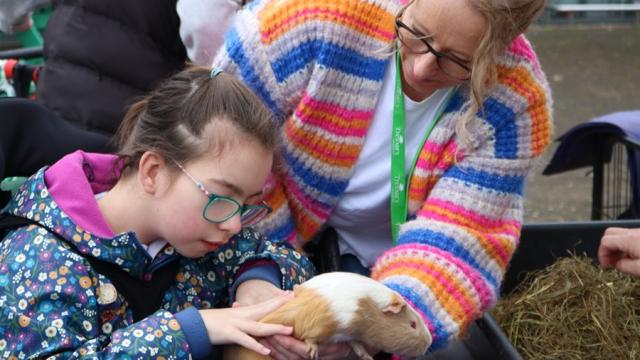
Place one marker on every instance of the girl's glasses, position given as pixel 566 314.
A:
pixel 222 208
pixel 418 43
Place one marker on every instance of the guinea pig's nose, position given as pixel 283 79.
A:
pixel 413 325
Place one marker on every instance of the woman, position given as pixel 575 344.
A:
pixel 477 112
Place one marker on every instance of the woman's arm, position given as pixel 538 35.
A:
pixel 451 259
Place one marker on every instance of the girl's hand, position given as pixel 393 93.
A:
pixel 238 324
pixel 620 248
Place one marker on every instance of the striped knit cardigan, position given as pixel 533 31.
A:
pixel 319 65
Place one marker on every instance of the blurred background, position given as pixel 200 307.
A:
pixel 592 61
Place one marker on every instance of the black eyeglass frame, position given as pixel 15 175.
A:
pixel 439 55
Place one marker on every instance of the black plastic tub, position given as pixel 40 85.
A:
pixel 485 341
pixel 541 244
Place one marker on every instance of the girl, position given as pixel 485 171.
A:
pixel 409 128
pixel 187 181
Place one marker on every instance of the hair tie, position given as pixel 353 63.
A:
pixel 215 71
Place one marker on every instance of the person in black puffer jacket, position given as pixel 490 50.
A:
pixel 100 55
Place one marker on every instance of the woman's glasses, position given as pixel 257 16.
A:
pixel 222 208
pixel 418 43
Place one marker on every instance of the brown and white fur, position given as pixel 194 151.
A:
pixel 346 307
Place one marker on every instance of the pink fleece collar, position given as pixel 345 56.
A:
pixel 73 182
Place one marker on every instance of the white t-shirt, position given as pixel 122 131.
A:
pixel 155 247
pixel 362 216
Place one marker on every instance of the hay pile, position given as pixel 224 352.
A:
pixel 573 310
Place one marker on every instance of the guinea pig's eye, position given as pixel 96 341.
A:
pixel 413 325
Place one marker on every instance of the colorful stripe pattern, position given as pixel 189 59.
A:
pixel 319 65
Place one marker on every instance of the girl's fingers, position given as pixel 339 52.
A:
pixel 263 329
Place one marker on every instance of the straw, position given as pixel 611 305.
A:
pixel 573 310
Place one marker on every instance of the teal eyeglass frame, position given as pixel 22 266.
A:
pixel 242 209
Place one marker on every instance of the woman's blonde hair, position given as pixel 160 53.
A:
pixel 505 19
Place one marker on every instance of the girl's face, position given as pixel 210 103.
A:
pixel 239 172
pixel 451 27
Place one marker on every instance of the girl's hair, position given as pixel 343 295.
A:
pixel 505 19
pixel 172 118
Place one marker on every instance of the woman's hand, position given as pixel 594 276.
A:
pixel 290 348
pixel 620 248
pixel 255 291
pixel 238 324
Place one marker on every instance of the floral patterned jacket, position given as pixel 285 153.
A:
pixel 53 303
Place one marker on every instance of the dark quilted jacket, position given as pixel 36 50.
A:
pixel 102 54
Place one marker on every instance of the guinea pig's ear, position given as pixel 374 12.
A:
pixel 396 305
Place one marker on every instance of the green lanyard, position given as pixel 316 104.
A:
pixel 399 191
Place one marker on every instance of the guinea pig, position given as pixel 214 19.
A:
pixel 347 307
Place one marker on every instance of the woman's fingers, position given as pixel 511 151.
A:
pixel 293 345
pixel 279 352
